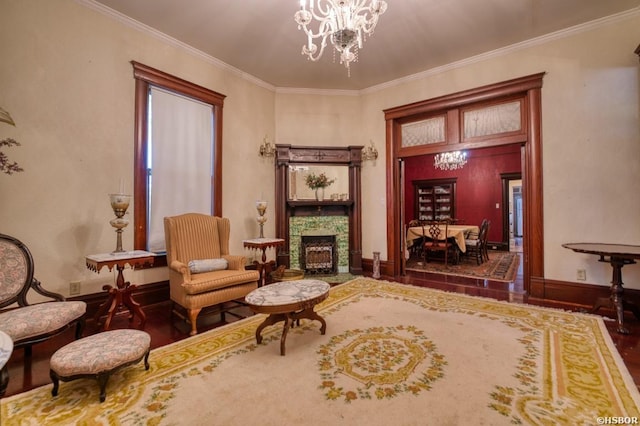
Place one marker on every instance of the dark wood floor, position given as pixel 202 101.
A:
pixel 28 374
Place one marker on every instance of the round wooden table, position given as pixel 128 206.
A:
pixel 288 301
pixel 617 255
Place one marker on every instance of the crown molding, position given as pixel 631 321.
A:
pixel 139 26
pixel 557 35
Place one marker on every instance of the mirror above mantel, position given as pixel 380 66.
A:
pixel 338 190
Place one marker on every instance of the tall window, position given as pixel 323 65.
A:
pixel 179 160
pixel 178 131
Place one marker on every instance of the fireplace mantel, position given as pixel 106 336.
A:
pixel 351 157
pixel 319 208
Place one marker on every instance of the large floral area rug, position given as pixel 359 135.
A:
pixel 392 354
pixel 501 266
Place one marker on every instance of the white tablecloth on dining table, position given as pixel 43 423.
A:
pixel 457 232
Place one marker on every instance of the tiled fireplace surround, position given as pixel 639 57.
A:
pixel 332 225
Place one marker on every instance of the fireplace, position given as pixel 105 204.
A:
pixel 319 254
pixel 295 214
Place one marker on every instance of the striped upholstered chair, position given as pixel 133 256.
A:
pixel 202 273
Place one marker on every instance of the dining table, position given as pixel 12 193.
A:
pixel 457 232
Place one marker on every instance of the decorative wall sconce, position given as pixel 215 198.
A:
pixel 370 153
pixel 267 149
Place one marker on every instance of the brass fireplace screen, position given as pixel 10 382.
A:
pixel 319 254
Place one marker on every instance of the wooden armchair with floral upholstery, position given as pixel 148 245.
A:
pixel 202 273
pixel 27 324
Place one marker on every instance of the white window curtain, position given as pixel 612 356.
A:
pixel 181 141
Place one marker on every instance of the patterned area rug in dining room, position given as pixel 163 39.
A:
pixel 393 354
pixel 502 266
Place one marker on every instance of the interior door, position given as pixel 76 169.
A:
pixel 517 229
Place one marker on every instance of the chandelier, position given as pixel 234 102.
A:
pixel 450 160
pixel 344 22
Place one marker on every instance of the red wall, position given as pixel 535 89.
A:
pixel 478 185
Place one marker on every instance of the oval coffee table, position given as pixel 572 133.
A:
pixel 288 301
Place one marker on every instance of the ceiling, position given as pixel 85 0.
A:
pixel 260 37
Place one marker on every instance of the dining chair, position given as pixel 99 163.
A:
pixel 437 241
pixel 415 249
pixel 485 252
pixel 474 243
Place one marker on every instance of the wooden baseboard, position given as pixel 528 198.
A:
pixel 543 292
pixel 546 292
pixel 553 292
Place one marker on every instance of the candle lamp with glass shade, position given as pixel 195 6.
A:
pixel 261 206
pixel 119 204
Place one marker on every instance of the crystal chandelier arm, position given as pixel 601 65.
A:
pixel 342 17
pixel 325 28
pixel 326 24
pixel 369 19
pixel 323 13
pixel 311 49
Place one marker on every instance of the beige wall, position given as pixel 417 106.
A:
pixel 318 119
pixel 67 81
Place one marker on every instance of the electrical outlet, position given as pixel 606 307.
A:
pixel 74 288
pixel 581 275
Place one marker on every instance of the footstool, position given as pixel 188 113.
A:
pixel 98 356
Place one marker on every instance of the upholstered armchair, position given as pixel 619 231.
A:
pixel 202 273
pixel 25 323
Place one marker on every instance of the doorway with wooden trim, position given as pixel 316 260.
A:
pixel 455 111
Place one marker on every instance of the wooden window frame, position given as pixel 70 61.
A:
pixel 145 77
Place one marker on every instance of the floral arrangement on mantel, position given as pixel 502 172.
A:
pixel 5 165
pixel 318 181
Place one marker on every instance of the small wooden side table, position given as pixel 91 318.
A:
pixel 264 267
pixel 121 294
pixel 617 255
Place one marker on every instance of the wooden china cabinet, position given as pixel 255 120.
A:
pixel 349 160
pixel 434 199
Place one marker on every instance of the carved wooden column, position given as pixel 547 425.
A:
pixel 282 214
pixel 355 219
